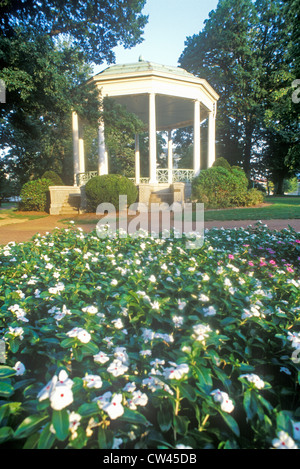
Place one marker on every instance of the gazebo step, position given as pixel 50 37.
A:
pixel 161 197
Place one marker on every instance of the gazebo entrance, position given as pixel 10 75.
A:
pixel 164 98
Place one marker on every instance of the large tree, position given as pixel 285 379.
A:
pixel 244 51
pixel 46 52
pixel 96 26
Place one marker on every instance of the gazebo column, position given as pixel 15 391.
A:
pixel 137 159
pixel 197 150
pixel 211 138
pixel 75 133
pixel 102 153
pixel 152 139
pixel 81 148
pixel 170 157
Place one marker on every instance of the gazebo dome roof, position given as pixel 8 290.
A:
pixel 175 89
pixel 144 66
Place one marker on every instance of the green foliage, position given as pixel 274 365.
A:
pixel 54 178
pixel 218 187
pixel 221 162
pixel 195 347
pixel 35 195
pixel 107 189
pixel 96 26
pixel 254 197
pixel 248 52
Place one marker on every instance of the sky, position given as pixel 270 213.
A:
pixel 170 22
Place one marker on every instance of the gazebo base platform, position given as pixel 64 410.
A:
pixel 163 192
pixel 71 200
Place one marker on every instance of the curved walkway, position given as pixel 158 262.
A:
pixel 24 229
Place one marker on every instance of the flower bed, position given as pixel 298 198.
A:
pixel 139 342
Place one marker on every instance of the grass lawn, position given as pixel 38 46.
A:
pixel 10 210
pixel 285 207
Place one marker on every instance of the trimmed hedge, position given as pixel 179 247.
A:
pixel 54 178
pixel 107 189
pixel 219 187
pixel 34 195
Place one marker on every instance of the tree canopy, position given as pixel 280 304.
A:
pixel 245 51
pixel 47 52
pixel 95 26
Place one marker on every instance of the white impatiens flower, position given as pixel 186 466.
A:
pixel 81 334
pixel 118 323
pixel 284 441
pixel 296 427
pixel 104 399
pixel 223 399
pixel 74 422
pixel 201 332
pixel 101 357
pixel 90 309
pixel 176 371
pixel 16 332
pixel 19 312
pixel 210 311
pixel 58 390
pixel 137 398
pixel 20 368
pixel 117 368
pixel 256 380
pixel 294 337
pixel 61 397
pixel 178 321
pixel 114 408
pixel 92 381
pixel 152 279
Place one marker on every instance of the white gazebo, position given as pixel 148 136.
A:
pixel 164 98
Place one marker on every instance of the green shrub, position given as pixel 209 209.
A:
pixel 221 162
pixel 107 189
pixel 254 197
pixel 35 195
pixel 218 187
pixel 55 179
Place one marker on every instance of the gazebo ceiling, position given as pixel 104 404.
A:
pixel 171 112
pixel 175 90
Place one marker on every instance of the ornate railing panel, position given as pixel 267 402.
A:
pixel 178 175
pixel 83 178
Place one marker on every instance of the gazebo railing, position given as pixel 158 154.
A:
pixel 83 178
pixel 178 175
pixel 162 175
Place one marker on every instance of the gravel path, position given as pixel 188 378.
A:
pixel 24 229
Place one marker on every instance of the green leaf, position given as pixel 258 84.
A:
pixel 102 443
pixel 231 422
pixel 30 425
pixel 249 404
pixel 6 371
pixel 90 348
pixel 67 343
pixel 181 424
pixel 187 391
pixel 134 417
pixel 205 379
pixel 47 438
pixel 6 389
pixel 60 421
pixel 89 409
pixel 6 433
pixel 164 419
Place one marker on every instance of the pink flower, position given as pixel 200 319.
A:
pixel 272 262
pixel 230 256
pixel 251 263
